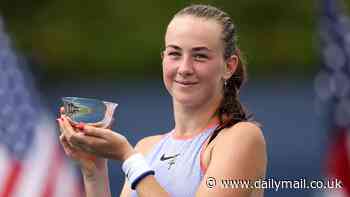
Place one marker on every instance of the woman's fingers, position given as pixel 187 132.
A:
pixel 72 137
pixel 85 142
pixel 62 114
pixel 88 143
pixel 59 126
pixel 94 131
pixel 62 110
pixel 67 128
pixel 93 140
pixel 67 149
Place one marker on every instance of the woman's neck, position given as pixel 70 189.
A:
pixel 192 120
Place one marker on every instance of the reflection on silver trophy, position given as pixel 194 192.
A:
pixel 89 111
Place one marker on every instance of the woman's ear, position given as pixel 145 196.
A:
pixel 231 66
pixel 161 54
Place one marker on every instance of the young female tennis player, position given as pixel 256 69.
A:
pixel 213 139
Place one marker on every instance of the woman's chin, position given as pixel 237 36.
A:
pixel 186 100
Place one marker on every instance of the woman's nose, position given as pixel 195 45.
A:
pixel 186 67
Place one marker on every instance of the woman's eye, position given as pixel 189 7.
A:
pixel 200 57
pixel 174 54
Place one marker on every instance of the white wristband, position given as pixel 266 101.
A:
pixel 135 169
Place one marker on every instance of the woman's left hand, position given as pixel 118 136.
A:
pixel 99 141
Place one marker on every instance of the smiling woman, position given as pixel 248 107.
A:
pixel 193 59
pixel 213 136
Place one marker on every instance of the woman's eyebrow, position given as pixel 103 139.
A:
pixel 173 46
pixel 195 49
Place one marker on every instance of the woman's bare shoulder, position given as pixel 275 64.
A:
pixel 243 130
pixel 146 143
pixel 239 151
pixel 243 138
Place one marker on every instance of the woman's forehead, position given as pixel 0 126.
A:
pixel 190 31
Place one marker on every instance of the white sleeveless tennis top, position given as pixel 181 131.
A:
pixel 177 162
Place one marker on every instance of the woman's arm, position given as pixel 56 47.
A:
pixel 96 184
pixel 94 169
pixel 143 146
pixel 148 187
pixel 108 144
pixel 239 154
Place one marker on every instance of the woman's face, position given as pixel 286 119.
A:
pixel 193 63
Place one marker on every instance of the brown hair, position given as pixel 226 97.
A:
pixel 230 111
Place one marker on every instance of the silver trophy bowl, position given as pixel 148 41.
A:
pixel 89 111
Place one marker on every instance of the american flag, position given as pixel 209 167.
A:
pixel 332 86
pixel 32 163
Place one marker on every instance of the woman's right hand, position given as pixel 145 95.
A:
pixel 90 164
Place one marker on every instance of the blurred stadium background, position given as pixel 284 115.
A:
pixel 110 49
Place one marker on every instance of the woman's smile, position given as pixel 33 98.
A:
pixel 185 83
